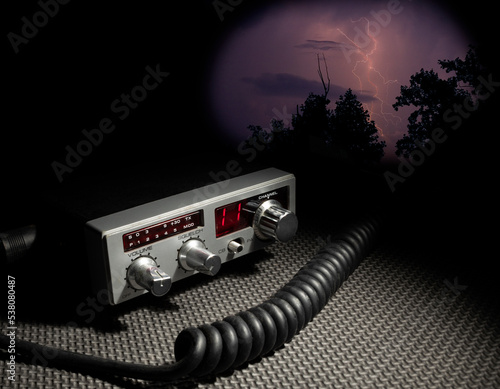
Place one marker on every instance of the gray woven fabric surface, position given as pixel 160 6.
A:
pixel 398 321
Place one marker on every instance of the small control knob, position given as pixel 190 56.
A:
pixel 143 273
pixel 273 221
pixel 193 255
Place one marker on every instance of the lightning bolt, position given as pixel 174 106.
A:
pixel 373 76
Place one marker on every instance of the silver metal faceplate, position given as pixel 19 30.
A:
pixel 109 261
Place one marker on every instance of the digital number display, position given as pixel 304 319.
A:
pixel 162 230
pixel 234 217
pixel 231 217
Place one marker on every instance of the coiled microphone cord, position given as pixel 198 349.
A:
pixel 246 336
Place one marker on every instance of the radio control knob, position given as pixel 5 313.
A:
pixel 273 221
pixel 143 273
pixel 193 255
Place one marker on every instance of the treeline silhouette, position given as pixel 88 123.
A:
pixel 347 133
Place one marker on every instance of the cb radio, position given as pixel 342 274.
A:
pixel 145 248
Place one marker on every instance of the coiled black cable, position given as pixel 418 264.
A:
pixel 246 336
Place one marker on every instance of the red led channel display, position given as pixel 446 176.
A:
pixel 162 230
pixel 234 217
pixel 231 217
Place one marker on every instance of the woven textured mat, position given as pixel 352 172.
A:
pixel 398 321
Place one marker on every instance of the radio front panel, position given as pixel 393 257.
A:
pixel 146 248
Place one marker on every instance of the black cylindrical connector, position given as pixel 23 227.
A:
pixel 15 244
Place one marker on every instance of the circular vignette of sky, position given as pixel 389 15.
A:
pixel 267 66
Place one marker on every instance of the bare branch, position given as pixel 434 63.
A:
pixel 326 87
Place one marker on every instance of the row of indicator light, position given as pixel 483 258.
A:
pixel 161 231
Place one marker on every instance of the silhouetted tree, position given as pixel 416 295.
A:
pixel 314 117
pixel 433 96
pixel 282 136
pixel 466 71
pixel 353 131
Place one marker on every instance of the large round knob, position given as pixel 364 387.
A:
pixel 143 273
pixel 193 255
pixel 273 221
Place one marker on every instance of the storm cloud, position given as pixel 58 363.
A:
pixel 286 84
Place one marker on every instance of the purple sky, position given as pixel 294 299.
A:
pixel 268 65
